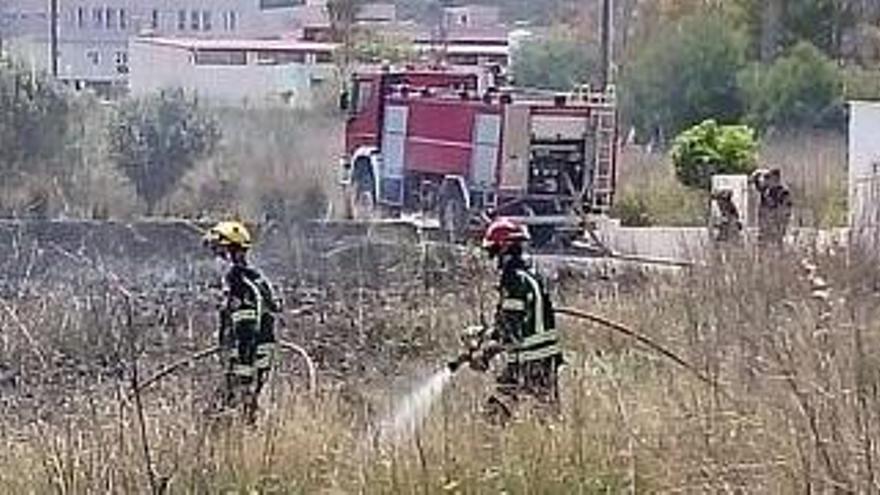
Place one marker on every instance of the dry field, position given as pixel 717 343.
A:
pixel 793 409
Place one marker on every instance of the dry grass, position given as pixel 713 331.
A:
pixel 650 194
pixel 277 163
pixel 270 162
pixel 813 165
pixel 796 409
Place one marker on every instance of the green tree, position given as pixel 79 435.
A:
pixel 708 149
pixel 343 15
pixel 377 47
pixel 776 25
pixel 557 62
pixel 685 75
pixel 802 88
pixel 33 120
pixel 155 140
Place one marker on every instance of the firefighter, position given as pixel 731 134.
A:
pixel 728 227
pixel 524 328
pixel 247 318
pixel 774 207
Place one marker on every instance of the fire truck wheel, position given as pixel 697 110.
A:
pixel 453 215
pixel 363 201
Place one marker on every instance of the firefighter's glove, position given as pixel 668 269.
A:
pixel 481 358
pixel 479 362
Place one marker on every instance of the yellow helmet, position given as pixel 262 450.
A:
pixel 228 234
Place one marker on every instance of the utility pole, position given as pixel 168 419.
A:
pixel 53 37
pixel 607 42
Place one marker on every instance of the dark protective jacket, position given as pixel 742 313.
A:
pixel 525 323
pixel 774 212
pixel 247 319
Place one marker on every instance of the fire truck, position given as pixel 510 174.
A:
pixel 459 148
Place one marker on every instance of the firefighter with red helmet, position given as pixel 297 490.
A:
pixel 524 328
pixel 247 318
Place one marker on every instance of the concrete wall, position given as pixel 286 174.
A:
pixel 667 243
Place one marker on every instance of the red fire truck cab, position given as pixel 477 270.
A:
pixel 453 146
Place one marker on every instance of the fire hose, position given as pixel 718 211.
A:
pixel 171 368
pixel 583 315
pixel 475 341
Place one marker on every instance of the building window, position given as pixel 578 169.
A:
pixel 98 18
pixel 230 20
pixel 181 20
pixel 323 57
pixel 194 19
pixel 206 20
pixel 221 57
pixel 94 57
pixel 121 58
pixel 123 19
pixel 280 57
pixel 154 19
pixel 110 18
pixel 80 17
pixel 278 4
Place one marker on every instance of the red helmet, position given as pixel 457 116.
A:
pixel 503 233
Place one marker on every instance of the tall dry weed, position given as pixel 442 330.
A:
pixel 789 338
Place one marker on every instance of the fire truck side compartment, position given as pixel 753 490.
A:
pixel 394 153
pixel 514 173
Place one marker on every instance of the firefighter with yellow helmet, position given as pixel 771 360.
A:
pixel 247 318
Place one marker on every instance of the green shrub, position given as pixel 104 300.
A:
pixel 685 75
pixel 558 62
pixel 802 88
pixel 708 149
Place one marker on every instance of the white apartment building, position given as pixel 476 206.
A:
pixel 93 35
pixel 234 71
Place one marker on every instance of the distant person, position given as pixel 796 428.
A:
pixel 774 207
pixel 247 319
pixel 727 227
pixel 524 329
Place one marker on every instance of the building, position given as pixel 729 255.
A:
pixel 234 71
pixel 212 41
pixel 471 16
pixel 93 35
pixel 288 71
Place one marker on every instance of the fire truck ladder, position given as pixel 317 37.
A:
pixel 606 136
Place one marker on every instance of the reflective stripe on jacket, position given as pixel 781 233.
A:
pixel 534 340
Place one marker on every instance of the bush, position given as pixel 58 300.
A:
pixel 157 139
pixel 33 120
pixel 708 149
pixel 557 62
pixel 803 88
pixel 686 75
pixel 860 83
pixel 649 194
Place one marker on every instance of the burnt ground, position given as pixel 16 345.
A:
pixel 78 316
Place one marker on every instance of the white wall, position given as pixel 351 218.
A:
pixel 155 67
pixel 864 165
